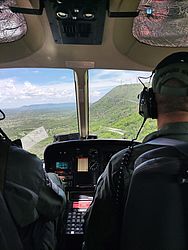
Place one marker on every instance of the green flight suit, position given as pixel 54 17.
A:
pixel 103 220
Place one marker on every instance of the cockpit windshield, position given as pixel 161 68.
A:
pixel 38 103
pixel 114 104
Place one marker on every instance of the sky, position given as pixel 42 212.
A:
pixel 20 87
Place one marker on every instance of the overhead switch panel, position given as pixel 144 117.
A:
pixel 76 21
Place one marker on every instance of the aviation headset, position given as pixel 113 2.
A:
pixel 174 66
pixel 147 103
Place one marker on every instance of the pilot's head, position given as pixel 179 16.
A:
pixel 169 91
pixel 170 83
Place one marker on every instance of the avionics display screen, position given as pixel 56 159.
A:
pixel 81 204
pixel 82 164
pixel 63 165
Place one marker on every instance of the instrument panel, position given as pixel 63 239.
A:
pixel 79 163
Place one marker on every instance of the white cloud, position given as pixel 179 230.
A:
pixel 14 93
pixel 63 77
pixel 103 81
pixel 27 84
pixel 110 78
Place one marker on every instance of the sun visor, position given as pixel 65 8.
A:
pixel 12 26
pixel 162 23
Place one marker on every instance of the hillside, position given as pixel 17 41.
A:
pixel 118 109
pixel 115 115
pixel 48 107
pixel 120 101
pixel 55 118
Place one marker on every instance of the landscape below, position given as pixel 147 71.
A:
pixel 115 115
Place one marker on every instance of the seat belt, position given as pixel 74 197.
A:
pixel 165 141
pixel 4 148
pixel 9 237
pixel 181 146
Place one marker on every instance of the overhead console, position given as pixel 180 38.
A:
pixel 76 21
pixel 79 163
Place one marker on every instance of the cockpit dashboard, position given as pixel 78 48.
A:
pixel 79 163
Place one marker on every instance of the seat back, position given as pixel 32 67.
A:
pixel 9 238
pixel 156 211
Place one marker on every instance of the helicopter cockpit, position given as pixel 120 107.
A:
pixel 99 43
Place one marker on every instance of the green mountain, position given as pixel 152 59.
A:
pixel 48 107
pixel 120 101
pixel 116 114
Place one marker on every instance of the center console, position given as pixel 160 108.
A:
pixel 77 204
pixel 79 163
pixel 75 216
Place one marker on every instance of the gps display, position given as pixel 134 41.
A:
pixel 63 165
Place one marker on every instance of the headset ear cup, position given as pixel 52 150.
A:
pixel 142 104
pixel 152 104
pixel 147 104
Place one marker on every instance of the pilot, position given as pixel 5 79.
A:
pixel 168 102
pixel 35 199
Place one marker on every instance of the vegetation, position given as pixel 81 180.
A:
pixel 20 122
pixel 118 109
pixel 114 116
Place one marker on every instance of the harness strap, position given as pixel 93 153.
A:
pixel 165 141
pixel 4 148
pixel 181 146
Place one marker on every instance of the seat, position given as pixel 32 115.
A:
pixel 156 210
pixel 9 238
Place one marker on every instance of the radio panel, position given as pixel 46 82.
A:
pixel 75 216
